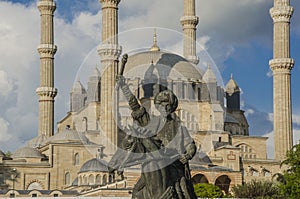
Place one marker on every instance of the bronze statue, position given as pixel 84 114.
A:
pixel 160 144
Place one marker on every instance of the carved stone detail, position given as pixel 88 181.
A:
pixel 189 20
pixel 46 92
pixel 110 3
pixel 109 51
pixel 47 50
pixel 281 14
pixel 46 7
pixel 283 63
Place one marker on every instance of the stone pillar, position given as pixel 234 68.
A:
pixel 109 51
pixel 189 22
pixel 46 49
pixel 281 65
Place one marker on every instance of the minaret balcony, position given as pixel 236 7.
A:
pixel 46 7
pixel 281 14
pixel 281 63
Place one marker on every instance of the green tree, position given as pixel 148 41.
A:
pixel 205 190
pixel 8 154
pixel 256 189
pixel 290 179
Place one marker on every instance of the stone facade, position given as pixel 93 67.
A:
pixel 72 161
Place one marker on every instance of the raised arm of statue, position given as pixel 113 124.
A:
pixel 139 113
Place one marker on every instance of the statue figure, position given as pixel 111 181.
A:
pixel 160 144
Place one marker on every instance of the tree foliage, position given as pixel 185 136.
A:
pixel 256 189
pixel 290 179
pixel 205 190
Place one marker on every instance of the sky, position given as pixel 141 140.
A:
pixel 235 35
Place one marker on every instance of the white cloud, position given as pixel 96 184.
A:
pixel 19 67
pixel 6 84
pixel 269 73
pixel 270 117
pixel 296 136
pixel 249 112
pixel 4 134
pixel 296 119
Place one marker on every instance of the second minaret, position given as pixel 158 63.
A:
pixel 47 50
pixel 281 65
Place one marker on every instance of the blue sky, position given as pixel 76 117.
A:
pixel 236 34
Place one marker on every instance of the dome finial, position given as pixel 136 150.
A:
pixel 231 76
pixel 154 46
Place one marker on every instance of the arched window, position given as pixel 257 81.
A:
pixel 247 151
pixel 104 179
pixel 84 180
pixel 80 180
pixel 98 179
pixel 85 123
pixel 91 180
pixel 76 159
pixel 110 179
pixel 67 178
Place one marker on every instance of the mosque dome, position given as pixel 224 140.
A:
pixel 27 152
pixel 163 65
pixel 69 136
pixel 94 165
pixel 232 86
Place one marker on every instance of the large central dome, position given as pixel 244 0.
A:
pixel 163 65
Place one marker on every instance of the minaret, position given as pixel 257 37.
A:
pixel 189 22
pixel 281 65
pixel 109 52
pixel 233 95
pixel 46 49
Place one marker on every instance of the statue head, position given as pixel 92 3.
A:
pixel 166 102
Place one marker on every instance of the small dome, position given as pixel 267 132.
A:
pixel 209 76
pixel 78 88
pixel 232 86
pixel 69 136
pixel 166 65
pixel 94 165
pixel 27 152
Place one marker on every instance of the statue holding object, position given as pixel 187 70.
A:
pixel 160 144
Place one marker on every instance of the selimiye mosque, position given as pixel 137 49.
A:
pixel 72 159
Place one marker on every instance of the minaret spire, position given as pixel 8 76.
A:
pixel 155 46
pixel 189 22
pixel 47 50
pixel 109 51
pixel 281 65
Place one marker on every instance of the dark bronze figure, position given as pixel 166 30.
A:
pixel 160 144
